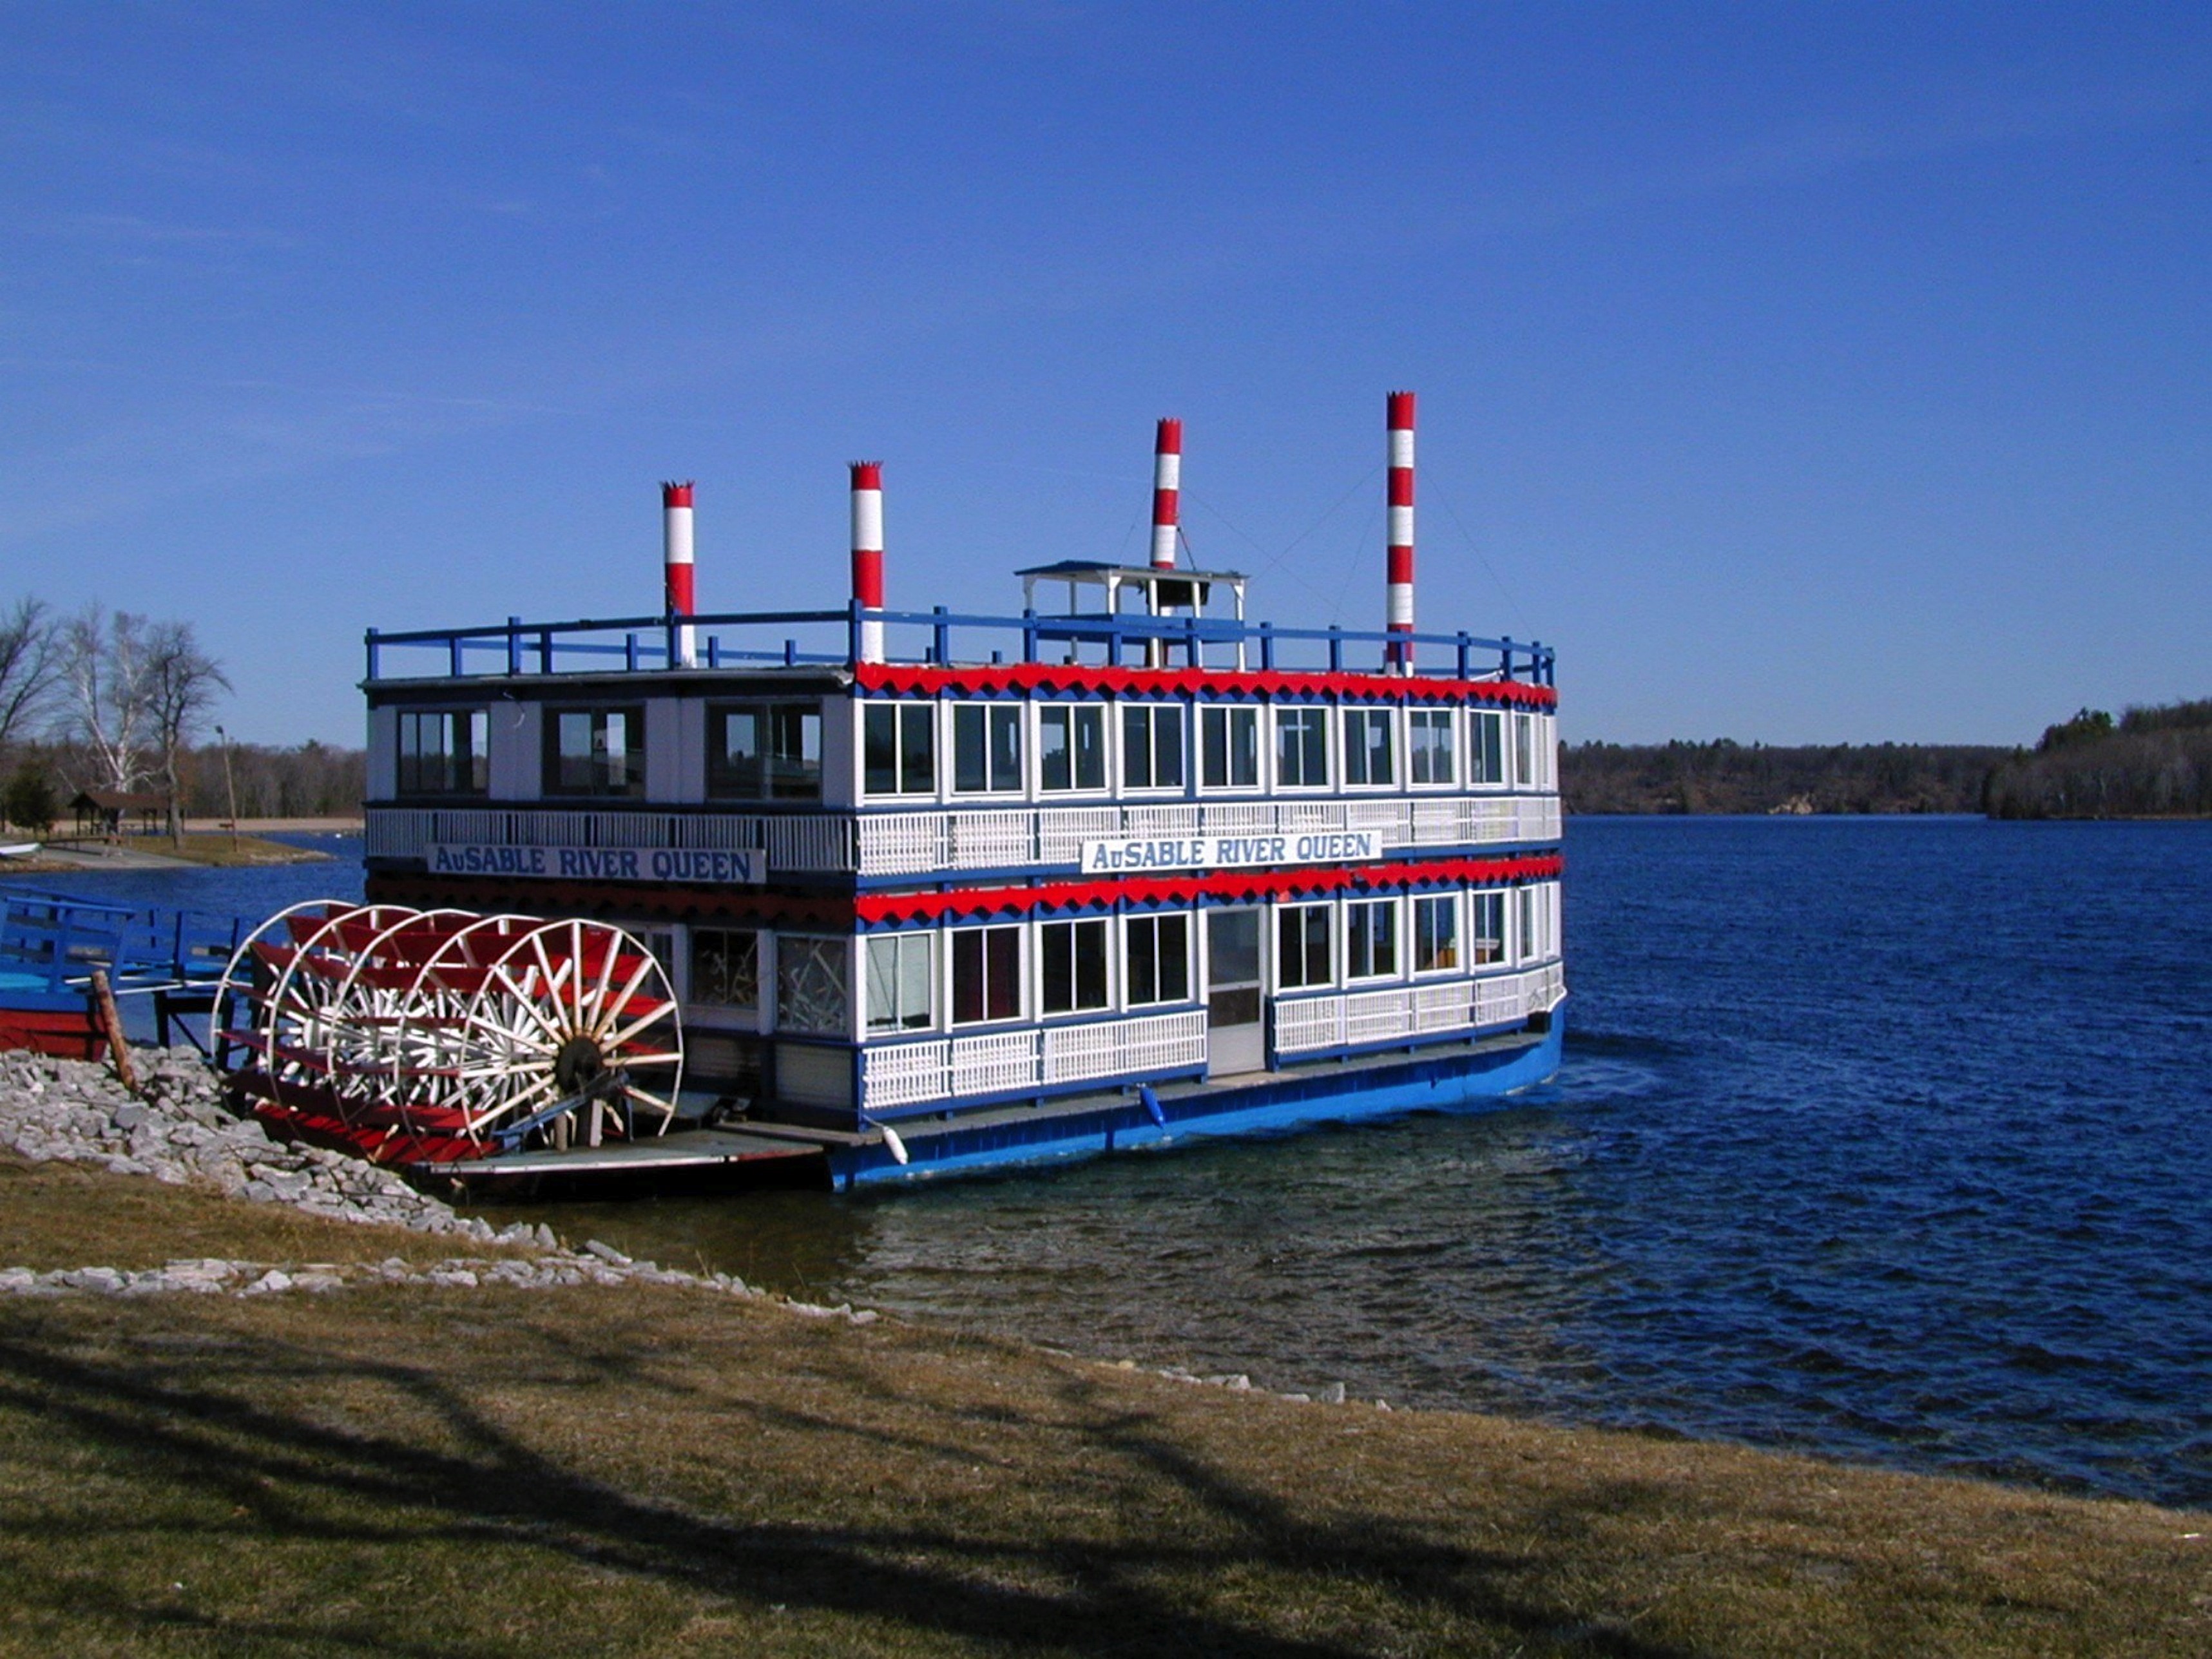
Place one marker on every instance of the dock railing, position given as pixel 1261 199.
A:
pixel 936 638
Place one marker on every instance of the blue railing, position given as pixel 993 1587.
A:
pixel 633 644
pixel 51 944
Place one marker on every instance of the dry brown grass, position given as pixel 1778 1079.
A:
pixel 66 1215
pixel 659 1471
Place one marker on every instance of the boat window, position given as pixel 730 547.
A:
pixel 1072 747
pixel 1368 747
pixel 764 752
pixel 1524 751
pixel 1302 946
pixel 986 974
pixel 1074 961
pixel 1302 748
pixel 1485 742
pixel 1370 939
pixel 1152 746
pixel 809 984
pixel 1486 930
pixel 1156 955
pixel 1536 940
pixel 986 748
pixel 725 967
pixel 442 751
pixel 1430 752
pixel 1436 933
pixel 595 751
pixel 899 745
pixel 901 975
pixel 1230 738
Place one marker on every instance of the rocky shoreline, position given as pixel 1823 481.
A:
pixel 178 1130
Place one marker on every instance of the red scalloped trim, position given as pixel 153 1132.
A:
pixel 736 907
pixel 1239 885
pixel 910 680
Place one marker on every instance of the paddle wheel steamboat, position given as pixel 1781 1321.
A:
pixel 902 893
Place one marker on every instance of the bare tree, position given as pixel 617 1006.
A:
pixel 180 681
pixel 30 662
pixel 104 684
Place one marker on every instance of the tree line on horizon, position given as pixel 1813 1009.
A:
pixel 1727 777
pixel 100 700
pixel 2151 762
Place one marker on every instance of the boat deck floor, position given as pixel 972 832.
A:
pixel 754 1141
pixel 689 1149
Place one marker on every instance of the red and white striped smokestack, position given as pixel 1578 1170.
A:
pixel 676 562
pixel 1398 614
pixel 868 552
pixel 1167 491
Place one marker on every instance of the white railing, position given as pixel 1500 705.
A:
pixel 951 839
pixel 1008 1062
pixel 1409 1011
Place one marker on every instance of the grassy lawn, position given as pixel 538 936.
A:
pixel 219 849
pixel 653 1470
pixel 62 1215
pixel 212 848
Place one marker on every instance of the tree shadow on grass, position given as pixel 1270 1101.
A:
pixel 240 1425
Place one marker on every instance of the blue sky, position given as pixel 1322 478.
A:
pixel 1804 372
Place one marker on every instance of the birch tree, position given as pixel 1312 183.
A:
pixel 103 690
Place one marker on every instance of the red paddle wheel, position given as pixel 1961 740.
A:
pixel 431 1036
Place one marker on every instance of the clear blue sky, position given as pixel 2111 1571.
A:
pixel 1806 373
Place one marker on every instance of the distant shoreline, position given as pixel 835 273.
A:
pixel 340 826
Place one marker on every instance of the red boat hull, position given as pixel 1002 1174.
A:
pixel 66 1034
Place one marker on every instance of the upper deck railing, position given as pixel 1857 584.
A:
pixel 654 644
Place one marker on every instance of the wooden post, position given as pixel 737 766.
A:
pixel 103 1014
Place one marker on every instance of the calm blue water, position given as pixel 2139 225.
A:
pixel 246 892
pixel 1886 1139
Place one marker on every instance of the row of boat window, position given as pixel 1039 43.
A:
pixel 1140 748
pixel 773 750
pixel 929 979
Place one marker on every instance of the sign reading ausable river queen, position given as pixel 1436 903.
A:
pixel 1138 854
pixel 746 867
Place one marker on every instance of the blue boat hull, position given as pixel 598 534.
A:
pixel 1280 1103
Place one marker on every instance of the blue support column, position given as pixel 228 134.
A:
pixel 545 650
pixel 1336 649
pixel 369 640
pixel 515 645
pixel 629 652
pixel 940 643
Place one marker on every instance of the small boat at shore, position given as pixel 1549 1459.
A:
pixel 51 944
pixel 892 893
